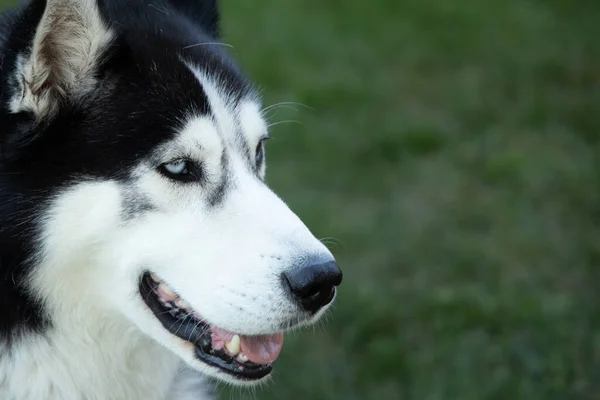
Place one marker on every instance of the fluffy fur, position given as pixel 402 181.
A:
pixel 96 98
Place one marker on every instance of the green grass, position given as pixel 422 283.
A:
pixel 452 152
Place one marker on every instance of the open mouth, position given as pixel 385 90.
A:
pixel 241 356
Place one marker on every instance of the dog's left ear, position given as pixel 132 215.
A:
pixel 67 47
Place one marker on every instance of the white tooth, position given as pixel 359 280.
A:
pixel 233 346
pixel 167 291
pixel 242 357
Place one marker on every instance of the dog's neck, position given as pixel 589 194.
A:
pixel 54 345
pixel 95 358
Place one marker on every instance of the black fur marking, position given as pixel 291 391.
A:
pixel 19 312
pixel 144 93
pixel 246 149
pixel 218 195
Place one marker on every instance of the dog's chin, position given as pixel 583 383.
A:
pixel 233 358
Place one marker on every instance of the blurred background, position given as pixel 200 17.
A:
pixel 447 152
pixel 450 161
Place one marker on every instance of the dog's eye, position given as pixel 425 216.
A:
pixel 176 167
pixel 181 170
pixel 260 151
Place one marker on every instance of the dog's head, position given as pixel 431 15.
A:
pixel 145 147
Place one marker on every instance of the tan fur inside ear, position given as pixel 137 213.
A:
pixel 68 45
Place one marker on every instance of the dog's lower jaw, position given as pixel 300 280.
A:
pixel 105 360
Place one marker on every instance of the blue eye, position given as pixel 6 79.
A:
pixel 176 167
pixel 180 170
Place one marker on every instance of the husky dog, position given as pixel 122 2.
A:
pixel 140 248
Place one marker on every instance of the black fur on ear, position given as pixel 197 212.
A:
pixel 17 30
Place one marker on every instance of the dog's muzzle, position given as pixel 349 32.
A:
pixel 311 285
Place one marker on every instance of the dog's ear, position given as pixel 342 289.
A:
pixel 60 66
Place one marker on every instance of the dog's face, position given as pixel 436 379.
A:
pixel 151 159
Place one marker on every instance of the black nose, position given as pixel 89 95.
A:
pixel 313 285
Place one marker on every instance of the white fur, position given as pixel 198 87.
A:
pixel 226 261
pixel 253 126
pixel 102 358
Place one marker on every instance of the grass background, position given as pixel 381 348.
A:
pixel 453 154
pixel 451 150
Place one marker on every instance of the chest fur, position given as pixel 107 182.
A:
pixel 113 364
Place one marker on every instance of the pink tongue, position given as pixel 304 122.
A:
pixel 262 349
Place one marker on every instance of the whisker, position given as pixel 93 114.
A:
pixel 159 8
pixel 287 104
pixel 183 322
pixel 193 330
pixel 164 312
pixel 173 324
pixel 289 121
pixel 332 241
pixel 207 44
pixel 272 112
pixel 152 290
